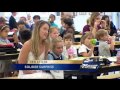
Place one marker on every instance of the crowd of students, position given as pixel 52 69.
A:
pixel 43 40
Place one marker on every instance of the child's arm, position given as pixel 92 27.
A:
pixel 89 54
pixel 112 43
pixel 84 53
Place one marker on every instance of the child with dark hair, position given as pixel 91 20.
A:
pixel 4 29
pixel 36 18
pixel 71 50
pixel 21 25
pixel 16 35
pixel 25 21
pixel 25 35
pixel 68 25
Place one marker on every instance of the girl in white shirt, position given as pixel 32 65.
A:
pixel 86 49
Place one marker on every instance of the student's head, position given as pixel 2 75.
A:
pixel 4 29
pixel 67 22
pixel 36 18
pixel 71 30
pixel 102 35
pixel 86 38
pixel 25 35
pixel 54 33
pixel 94 16
pixel 52 17
pixel 57 46
pixel 2 21
pixel 106 18
pixel 14 13
pixel 21 24
pixel 68 39
pixel 39 36
pixel 23 19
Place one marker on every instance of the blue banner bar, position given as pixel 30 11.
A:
pixel 46 66
pixel 53 67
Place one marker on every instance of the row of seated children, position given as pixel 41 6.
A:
pixel 60 49
pixel 106 43
pixel 68 50
pixel 86 49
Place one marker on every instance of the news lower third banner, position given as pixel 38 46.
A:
pixel 78 67
pixel 57 65
pixel 46 66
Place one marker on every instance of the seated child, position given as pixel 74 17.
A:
pixel 56 49
pixel 86 49
pixel 56 54
pixel 71 50
pixel 16 36
pixel 21 26
pixel 54 33
pixel 106 43
pixel 6 64
pixel 4 30
pixel 25 35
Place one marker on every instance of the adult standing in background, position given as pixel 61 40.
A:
pixel 12 21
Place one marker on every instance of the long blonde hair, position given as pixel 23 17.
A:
pixel 35 39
